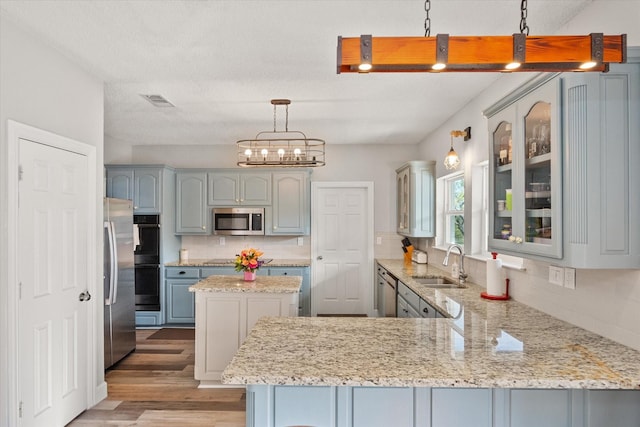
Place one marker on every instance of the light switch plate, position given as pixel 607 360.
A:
pixel 222 241
pixel 570 278
pixel 556 275
pixel 300 241
pixel 379 240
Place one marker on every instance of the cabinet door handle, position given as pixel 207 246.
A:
pixel 425 310
pixel 319 258
pixel 204 227
pixel 182 272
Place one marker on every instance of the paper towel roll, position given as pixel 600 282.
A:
pixel 495 282
pixel 184 256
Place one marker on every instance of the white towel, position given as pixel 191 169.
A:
pixel 136 236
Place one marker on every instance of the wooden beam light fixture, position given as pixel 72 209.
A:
pixel 516 53
pixel 442 53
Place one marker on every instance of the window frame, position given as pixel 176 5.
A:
pixel 443 186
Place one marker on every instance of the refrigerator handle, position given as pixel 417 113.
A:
pixel 110 238
pixel 115 268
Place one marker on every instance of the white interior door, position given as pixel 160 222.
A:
pixel 342 248
pixel 52 271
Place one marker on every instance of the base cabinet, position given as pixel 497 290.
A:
pixel 181 302
pixel 223 321
pixel 342 406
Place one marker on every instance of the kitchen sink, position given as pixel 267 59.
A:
pixel 438 282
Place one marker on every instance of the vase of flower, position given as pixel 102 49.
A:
pixel 248 262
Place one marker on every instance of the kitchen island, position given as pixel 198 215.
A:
pixel 489 363
pixel 227 308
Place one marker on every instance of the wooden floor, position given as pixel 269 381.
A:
pixel 154 386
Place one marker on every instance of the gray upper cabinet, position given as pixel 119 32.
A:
pixel 141 184
pixel 525 174
pixel 416 190
pixel 290 214
pixel 575 197
pixel 601 174
pixel 191 203
pixel 231 189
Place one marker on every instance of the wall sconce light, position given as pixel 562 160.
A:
pixel 451 161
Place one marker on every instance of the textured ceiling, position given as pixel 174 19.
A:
pixel 220 63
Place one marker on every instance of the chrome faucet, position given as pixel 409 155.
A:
pixel 462 275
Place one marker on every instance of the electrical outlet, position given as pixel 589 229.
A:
pixel 570 278
pixel 556 275
pixel 222 241
pixel 300 241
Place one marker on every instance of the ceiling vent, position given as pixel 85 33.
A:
pixel 158 101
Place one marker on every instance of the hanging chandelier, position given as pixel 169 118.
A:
pixel 515 53
pixel 281 148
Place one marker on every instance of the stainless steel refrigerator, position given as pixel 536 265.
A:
pixel 119 281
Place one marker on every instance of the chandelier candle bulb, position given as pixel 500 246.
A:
pixel 495 283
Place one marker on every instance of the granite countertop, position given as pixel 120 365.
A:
pixel 501 344
pixel 262 284
pixel 230 262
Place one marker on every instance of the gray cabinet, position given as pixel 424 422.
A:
pixel 284 195
pixel 192 214
pixel 304 308
pixel 409 304
pixel 574 202
pixel 141 184
pixel 291 212
pixel 601 134
pixel 525 170
pixel 181 302
pixel 280 405
pixel 240 188
pixel 416 189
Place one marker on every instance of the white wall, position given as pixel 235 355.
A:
pixel 375 163
pixel 43 89
pixel 606 302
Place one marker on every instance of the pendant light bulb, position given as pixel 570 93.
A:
pixel 451 161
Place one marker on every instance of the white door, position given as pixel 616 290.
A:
pixel 52 270
pixel 342 248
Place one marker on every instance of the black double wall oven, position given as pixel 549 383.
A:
pixel 147 262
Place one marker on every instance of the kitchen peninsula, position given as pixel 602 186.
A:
pixel 489 363
pixel 227 308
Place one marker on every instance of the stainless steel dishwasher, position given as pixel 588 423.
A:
pixel 390 284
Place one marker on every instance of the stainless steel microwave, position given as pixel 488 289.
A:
pixel 238 221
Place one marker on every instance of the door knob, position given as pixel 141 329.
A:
pixel 319 257
pixel 84 296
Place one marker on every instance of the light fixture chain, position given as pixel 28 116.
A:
pixel 524 28
pixel 427 19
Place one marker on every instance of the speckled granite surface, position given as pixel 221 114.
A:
pixel 262 284
pixel 229 262
pixel 502 344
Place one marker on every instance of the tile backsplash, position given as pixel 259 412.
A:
pixel 282 247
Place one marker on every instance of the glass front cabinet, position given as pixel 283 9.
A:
pixel 525 212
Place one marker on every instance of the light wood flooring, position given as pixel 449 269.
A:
pixel 154 386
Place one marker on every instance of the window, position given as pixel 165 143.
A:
pixel 453 217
